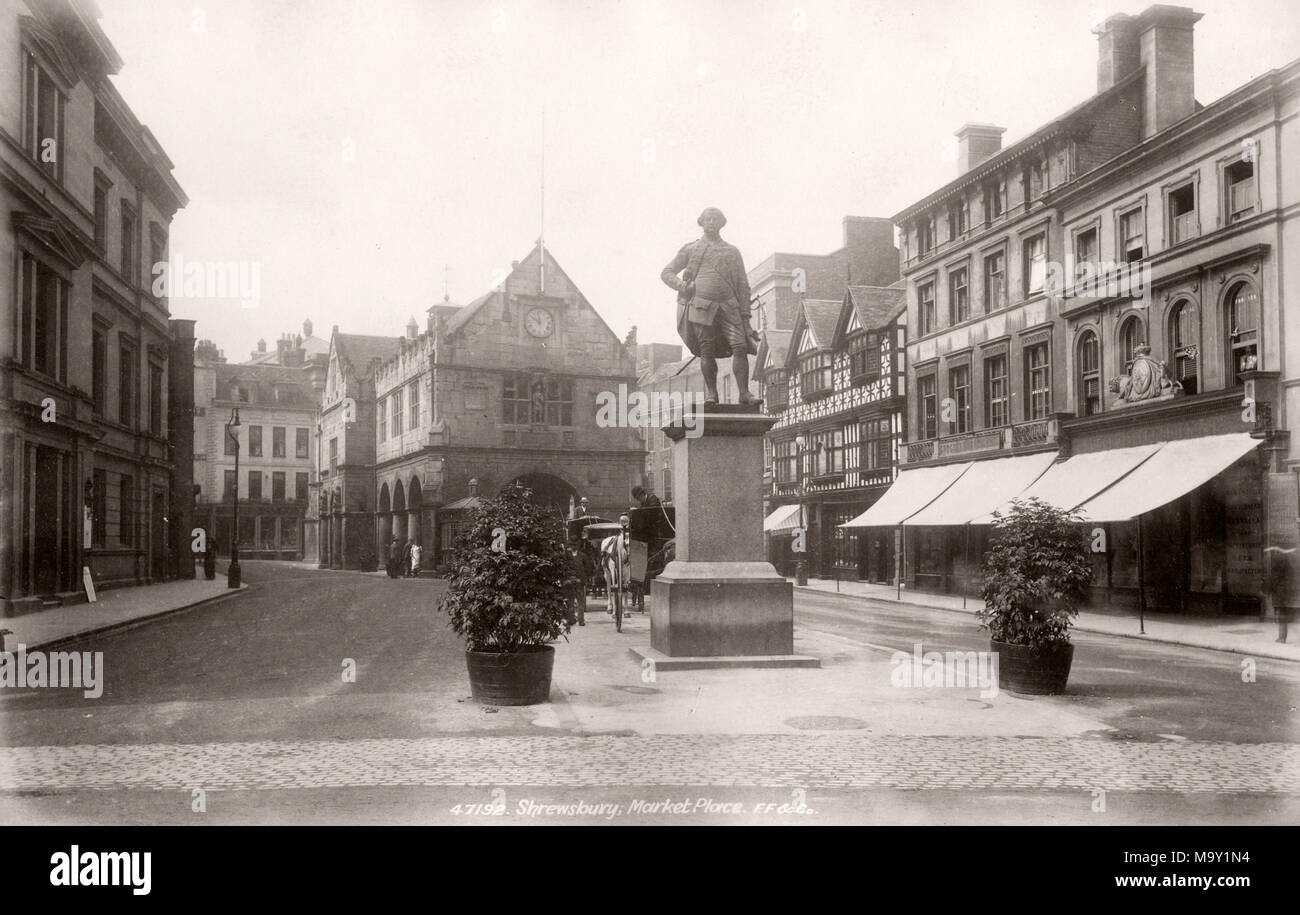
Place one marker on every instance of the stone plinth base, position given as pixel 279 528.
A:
pixel 663 662
pixel 719 609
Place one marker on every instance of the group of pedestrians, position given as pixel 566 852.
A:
pixel 403 559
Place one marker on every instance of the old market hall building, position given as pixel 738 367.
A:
pixel 1096 317
pixel 503 390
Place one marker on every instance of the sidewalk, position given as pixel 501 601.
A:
pixel 117 608
pixel 1245 635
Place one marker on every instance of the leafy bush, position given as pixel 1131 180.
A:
pixel 1036 574
pixel 512 600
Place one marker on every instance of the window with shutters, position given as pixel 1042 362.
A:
pixel 1184 334
pixel 1089 374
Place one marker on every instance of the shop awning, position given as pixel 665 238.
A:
pixel 911 492
pixel 1177 468
pixel 782 518
pixel 1074 481
pixel 986 485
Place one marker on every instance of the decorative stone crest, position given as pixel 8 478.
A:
pixel 1148 379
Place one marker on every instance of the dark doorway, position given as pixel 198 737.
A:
pixel 45 506
pixel 548 490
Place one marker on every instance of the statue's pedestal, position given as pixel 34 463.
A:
pixel 720 599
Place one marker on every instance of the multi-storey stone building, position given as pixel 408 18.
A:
pixel 505 389
pixel 339 530
pixel 94 416
pixel 1122 397
pixel 278 402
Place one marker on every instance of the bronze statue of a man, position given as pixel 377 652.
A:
pixel 713 305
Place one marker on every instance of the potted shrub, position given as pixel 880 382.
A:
pixel 507 597
pixel 1036 574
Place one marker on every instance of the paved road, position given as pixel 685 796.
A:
pixel 1143 690
pixel 240 713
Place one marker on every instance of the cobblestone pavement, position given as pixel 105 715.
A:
pixel 812 760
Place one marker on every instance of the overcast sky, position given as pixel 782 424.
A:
pixel 357 150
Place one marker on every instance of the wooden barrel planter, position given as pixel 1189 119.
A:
pixel 517 678
pixel 1038 673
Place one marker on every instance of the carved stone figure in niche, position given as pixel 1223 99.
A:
pixel 1148 379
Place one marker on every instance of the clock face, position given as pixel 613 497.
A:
pixel 539 322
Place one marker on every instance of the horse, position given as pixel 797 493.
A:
pixel 615 564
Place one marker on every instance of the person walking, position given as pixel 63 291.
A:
pixel 416 551
pixel 404 562
pixel 394 556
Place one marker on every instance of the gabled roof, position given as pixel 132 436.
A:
pixel 815 322
pixel 870 308
pixel 773 346
pixel 363 351
pixel 820 317
pixel 464 315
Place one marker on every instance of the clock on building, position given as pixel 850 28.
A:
pixel 539 322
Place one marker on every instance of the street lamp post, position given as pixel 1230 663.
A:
pixel 800 566
pixel 233 575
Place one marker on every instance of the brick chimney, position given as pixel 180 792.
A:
pixel 872 255
pixel 976 143
pixel 1165 50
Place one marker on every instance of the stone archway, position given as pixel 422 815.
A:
pixel 414 508
pixel 548 490
pixel 399 512
pixel 383 521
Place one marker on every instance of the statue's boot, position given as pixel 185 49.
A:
pixel 709 367
pixel 740 368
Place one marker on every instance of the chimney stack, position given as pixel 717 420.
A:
pixel 976 143
pixel 1165 50
pixel 1117 49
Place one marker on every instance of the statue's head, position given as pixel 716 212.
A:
pixel 712 218
pixel 1142 349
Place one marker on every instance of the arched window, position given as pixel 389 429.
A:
pixel 1089 374
pixel 1184 338
pixel 1132 334
pixel 1243 331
